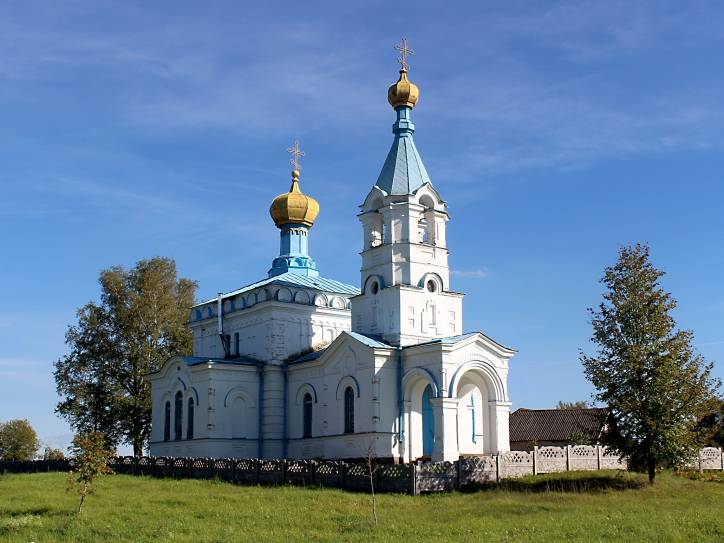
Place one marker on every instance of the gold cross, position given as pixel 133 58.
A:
pixel 404 51
pixel 296 155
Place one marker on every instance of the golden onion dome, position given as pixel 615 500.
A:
pixel 294 207
pixel 403 93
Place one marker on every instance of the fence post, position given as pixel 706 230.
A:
pixel 284 471
pixel 413 478
pixel 598 457
pixel 311 472
pixel 457 473
pixel 343 474
pixel 568 458
pixel 721 457
pixel 535 459
pixel 257 465
pixel 497 467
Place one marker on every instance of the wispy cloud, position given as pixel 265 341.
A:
pixel 471 274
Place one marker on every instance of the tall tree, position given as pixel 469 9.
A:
pixel 18 440
pixel 139 324
pixel 87 377
pixel 646 371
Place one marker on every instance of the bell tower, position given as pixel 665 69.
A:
pixel 405 279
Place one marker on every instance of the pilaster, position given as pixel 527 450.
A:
pixel 446 429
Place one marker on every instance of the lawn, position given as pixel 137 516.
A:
pixel 565 507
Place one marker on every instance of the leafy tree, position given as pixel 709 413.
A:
pixel 18 441
pixel 91 460
pixel 87 378
pixel 711 426
pixel 51 453
pixel 580 404
pixel 139 324
pixel 655 386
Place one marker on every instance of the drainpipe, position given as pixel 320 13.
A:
pixel 400 399
pixel 220 323
pixel 260 430
pixel 285 431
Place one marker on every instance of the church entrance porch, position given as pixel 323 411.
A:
pixel 467 418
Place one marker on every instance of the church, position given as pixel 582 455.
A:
pixel 298 365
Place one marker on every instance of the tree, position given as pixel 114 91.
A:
pixel 91 460
pixel 580 404
pixel 646 371
pixel 51 453
pixel 18 441
pixel 139 323
pixel 711 426
pixel 87 378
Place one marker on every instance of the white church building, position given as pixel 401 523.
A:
pixel 302 366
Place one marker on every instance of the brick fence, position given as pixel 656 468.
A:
pixel 412 478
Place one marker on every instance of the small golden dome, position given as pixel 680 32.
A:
pixel 294 207
pixel 403 93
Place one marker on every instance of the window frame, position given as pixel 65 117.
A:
pixel 307 415
pixel 167 421
pixel 190 411
pixel 349 410
pixel 178 414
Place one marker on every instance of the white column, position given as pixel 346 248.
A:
pixel 446 429
pixel 404 446
pixel 500 440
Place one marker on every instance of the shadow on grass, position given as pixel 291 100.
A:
pixel 562 483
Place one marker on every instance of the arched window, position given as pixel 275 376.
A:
pixel 190 420
pixel 167 421
pixel 178 412
pixel 307 432
pixel 349 410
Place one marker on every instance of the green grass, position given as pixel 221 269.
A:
pixel 563 507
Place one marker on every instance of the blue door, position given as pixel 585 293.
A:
pixel 428 423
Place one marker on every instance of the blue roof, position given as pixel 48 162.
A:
pixel 238 361
pixel 289 279
pixel 308 357
pixel 369 341
pixel 451 340
pixel 403 171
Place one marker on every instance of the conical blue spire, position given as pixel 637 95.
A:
pixel 403 171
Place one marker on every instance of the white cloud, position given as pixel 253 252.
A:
pixel 471 274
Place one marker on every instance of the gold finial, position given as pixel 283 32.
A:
pixel 296 153
pixel 294 207
pixel 404 92
pixel 404 51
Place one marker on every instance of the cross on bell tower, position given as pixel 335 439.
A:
pixel 296 153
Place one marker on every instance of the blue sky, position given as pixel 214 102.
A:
pixel 555 131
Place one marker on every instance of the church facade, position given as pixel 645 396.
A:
pixel 302 366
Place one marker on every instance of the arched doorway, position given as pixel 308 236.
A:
pixel 428 423
pixel 418 425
